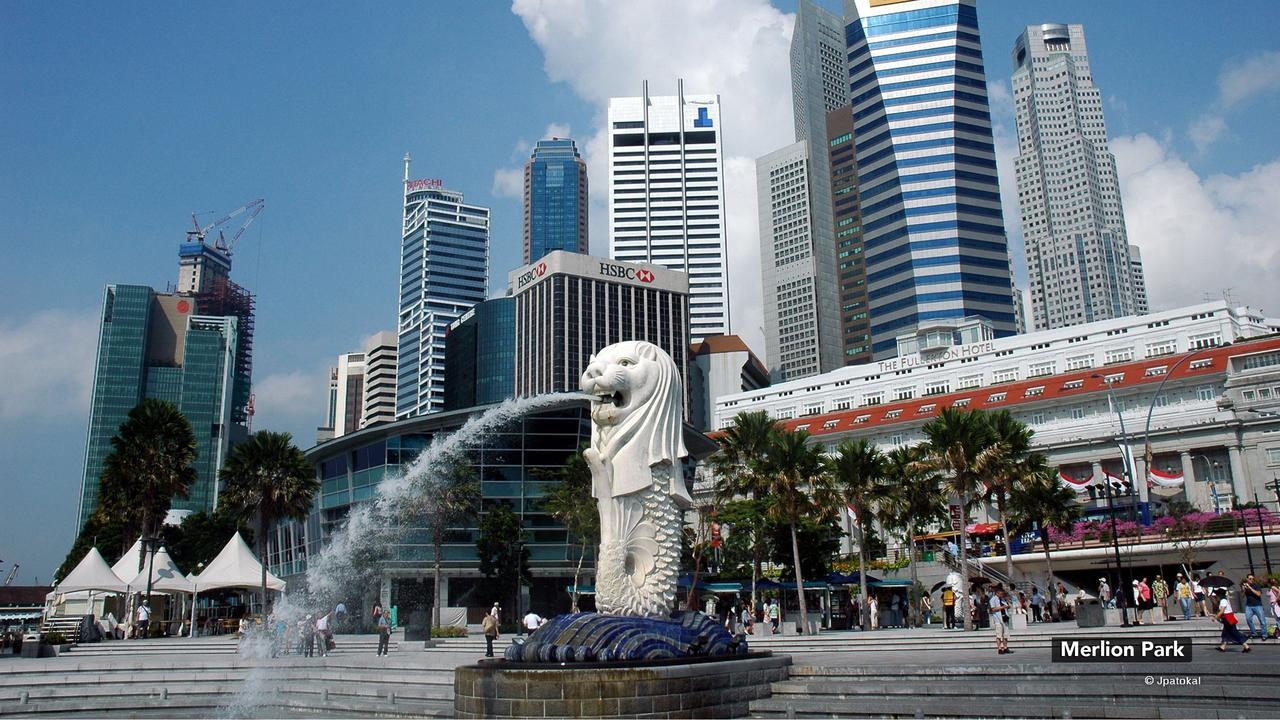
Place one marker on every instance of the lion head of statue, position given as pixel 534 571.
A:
pixel 637 398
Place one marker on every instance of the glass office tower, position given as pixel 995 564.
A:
pixel 555 200
pixel 933 228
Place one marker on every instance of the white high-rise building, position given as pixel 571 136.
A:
pixel 1140 304
pixel 666 195
pixel 1078 253
pixel 444 266
pixel 819 85
pixel 379 379
pixel 788 263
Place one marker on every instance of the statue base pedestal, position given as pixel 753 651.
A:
pixel 714 687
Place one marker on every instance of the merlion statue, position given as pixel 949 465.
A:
pixel 636 446
pixel 637 440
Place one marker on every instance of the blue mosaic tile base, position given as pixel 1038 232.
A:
pixel 592 637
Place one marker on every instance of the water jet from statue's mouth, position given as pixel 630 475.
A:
pixel 616 399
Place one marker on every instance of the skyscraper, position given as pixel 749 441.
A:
pixel 851 264
pixel 933 230
pixel 192 348
pixel 480 362
pixel 444 264
pixel 555 199
pixel 788 263
pixel 666 195
pixel 1140 304
pixel 819 85
pixel 568 306
pixel 1078 256
pixel 362 388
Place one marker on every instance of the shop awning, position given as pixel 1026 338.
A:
pixel 891 583
pixel 983 528
pixel 938 535
pixel 21 615
pixel 852 578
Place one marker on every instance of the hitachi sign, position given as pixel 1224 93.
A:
pixel 644 275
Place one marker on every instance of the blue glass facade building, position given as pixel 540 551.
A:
pixel 480 355
pixel 174 348
pixel 555 200
pixel 444 266
pixel 932 223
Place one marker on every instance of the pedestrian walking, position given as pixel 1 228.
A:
pixel 774 614
pixel 1252 593
pixel 747 621
pixel 1104 592
pixel 309 635
pixel 496 611
pixel 926 609
pixel 948 608
pixel 1201 598
pixel 323 634
pixel 1143 596
pixel 144 621
pixel 1160 594
pixel 384 634
pixel 531 622
pixel 1226 616
pixel 490 627
pixel 1185 596
pixel 1036 601
pixel 982 610
pixel 1063 604
pixel 999 612
pixel 875 612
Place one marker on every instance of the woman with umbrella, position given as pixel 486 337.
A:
pixel 1227 616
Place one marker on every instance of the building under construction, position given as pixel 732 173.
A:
pixel 191 345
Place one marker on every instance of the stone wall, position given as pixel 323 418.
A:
pixel 709 689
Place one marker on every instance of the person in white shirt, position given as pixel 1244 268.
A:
pixel 532 621
pixel 144 621
pixel 999 604
pixel 1227 616
pixel 322 634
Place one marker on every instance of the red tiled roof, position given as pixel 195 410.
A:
pixel 1050 387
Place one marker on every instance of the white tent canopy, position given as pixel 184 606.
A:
pixel 127 566
pixel 165 576
pixel 92 573
pixel 235 567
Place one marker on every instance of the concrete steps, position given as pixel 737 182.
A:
pixel 218 645
pixel 206 686
pixel 1245 689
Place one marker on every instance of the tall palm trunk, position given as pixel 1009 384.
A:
pixel 965 600
pixel 755 570
pixel 262 560
pixel 1049 591
pixel 795 554
pixel 913 611
pixel 1008 541
pixel 437 539
pixel 864 610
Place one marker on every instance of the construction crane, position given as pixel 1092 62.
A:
pixel 198 234
pixel 13 572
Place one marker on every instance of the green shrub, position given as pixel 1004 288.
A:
pixel 448 631
pixel 53 638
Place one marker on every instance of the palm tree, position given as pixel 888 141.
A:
pixel 449 503
pixel 857 473
pixel 737 465
pixel 797 476
pixel 571 504
pixel 911 498
pixel 150 463
pixel 1042 500
pixel 1010 467
pixel 960 445
pixel 268 476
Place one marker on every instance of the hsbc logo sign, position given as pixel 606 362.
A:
pixel 625 272
pixel 531 274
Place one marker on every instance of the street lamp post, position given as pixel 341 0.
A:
pixel 1262 532
pixel 1122 442
pixel 1146 432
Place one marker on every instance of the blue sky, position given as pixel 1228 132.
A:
pixel 118 124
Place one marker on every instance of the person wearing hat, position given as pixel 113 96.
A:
pixel 496 611
pixel 1182 590
pixel 1104 592
pixel 1227 616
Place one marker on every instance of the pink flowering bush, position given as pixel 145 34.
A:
pixel 1095 530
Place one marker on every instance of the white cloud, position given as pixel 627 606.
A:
pixel 291 401
pixel 1006 140
pixel 557 130
pixel 49 359
pixel 1239 83
pixel 738 49
pixel 1200 234
pixel 508 182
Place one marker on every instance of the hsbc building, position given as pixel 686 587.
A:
pixel 569 305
